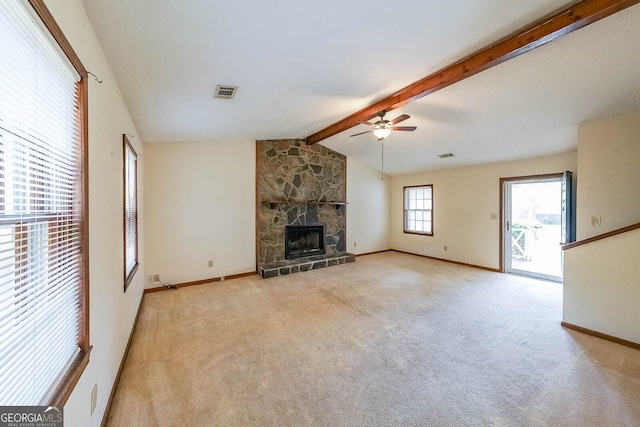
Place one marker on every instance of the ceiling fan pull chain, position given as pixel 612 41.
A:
pixel 382 147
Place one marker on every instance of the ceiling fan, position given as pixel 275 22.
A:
pixel 382 128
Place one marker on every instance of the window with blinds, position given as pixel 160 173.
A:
pixel 42 291
pixel 130 212
pixel 418 209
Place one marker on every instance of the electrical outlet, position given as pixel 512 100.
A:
pixel 494 216
pixel 596 221
pixel 150 279
pixel 94 398
pixel 355 244
pixel 210 263
pixel 156 277
pixel 445 247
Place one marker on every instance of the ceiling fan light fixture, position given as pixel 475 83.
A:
pixel 381 132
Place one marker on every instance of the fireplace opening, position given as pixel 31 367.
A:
pixel 303 240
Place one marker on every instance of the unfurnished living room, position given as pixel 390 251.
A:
pixel 320 214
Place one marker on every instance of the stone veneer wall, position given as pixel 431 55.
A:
pixel 295 183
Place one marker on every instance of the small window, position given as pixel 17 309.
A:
pixel 418 209
pixel 130 212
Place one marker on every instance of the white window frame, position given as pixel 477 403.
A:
pixel 418 209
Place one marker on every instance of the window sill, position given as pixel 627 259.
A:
pixel 417 232
pixel 71 378
pixel 129 277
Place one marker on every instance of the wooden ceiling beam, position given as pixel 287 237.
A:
pixel 538 33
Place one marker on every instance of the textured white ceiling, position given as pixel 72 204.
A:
pixel 301 66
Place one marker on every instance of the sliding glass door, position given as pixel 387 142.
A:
pixel 535 212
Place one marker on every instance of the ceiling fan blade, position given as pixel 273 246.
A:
pixel 405 128
pixel 399 119
pixel 361 133
pixel 367 123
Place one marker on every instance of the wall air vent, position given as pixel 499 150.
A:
pixel 445 155
pixel 225 92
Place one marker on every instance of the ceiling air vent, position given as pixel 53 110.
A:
pixel 445 155
pixel 225 92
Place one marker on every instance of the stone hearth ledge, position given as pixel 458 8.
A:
pixel 297 265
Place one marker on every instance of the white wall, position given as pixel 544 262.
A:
pixel 464 201
pixel 609 186
pixel 199 206
pixel 602 286
pixel 112 311
pixel 368 211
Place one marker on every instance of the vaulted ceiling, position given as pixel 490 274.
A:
pixel 301 66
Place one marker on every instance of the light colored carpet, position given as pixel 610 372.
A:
pixel 390 340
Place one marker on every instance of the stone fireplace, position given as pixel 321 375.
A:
pixel 301 193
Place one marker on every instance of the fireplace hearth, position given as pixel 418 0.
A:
pixel 303 240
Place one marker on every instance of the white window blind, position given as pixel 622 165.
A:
pixel 130 213
pixel 418 209
pixel 40 214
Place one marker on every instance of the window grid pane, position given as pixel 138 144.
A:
pixel 418 205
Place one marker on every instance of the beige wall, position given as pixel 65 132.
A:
pixel 464 201
pixel 112 311
pixel 609 185
pixel 601 289
pixel 601 286
pixel 368 211
pixel 199 206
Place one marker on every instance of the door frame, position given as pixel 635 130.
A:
pixel 503 182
